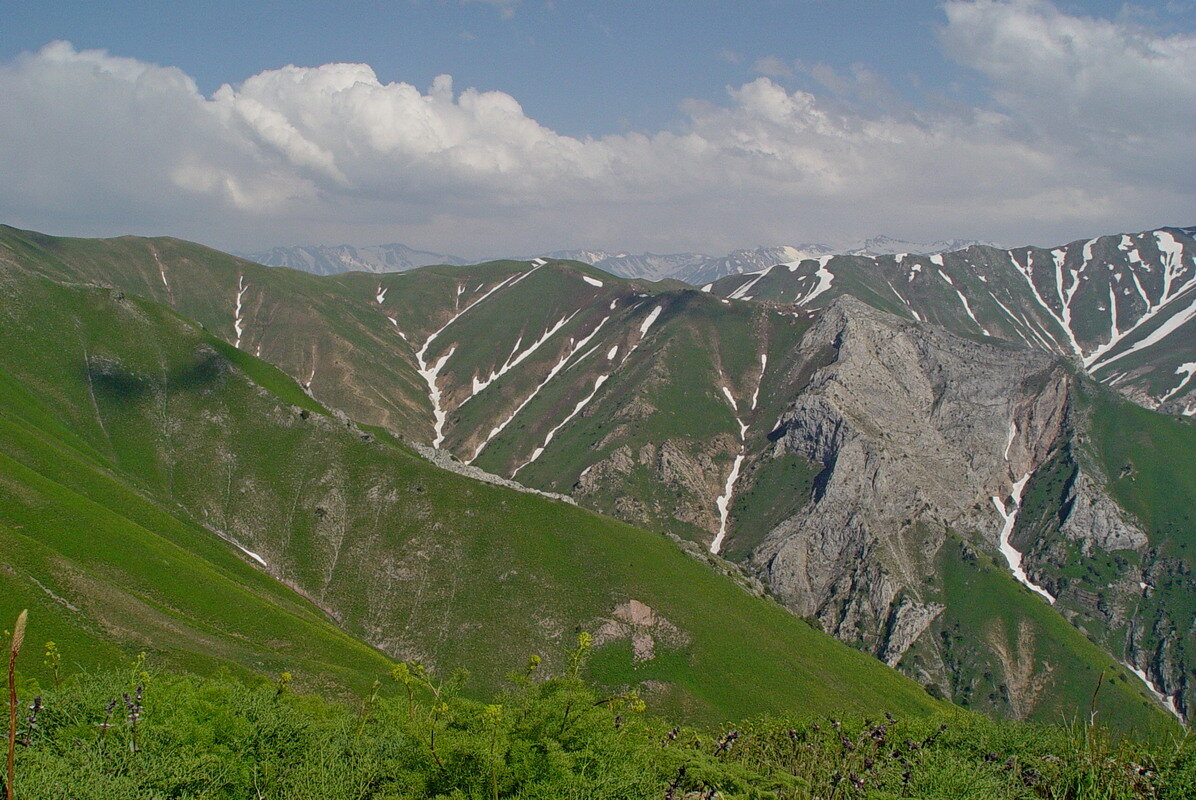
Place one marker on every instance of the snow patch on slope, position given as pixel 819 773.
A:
pixel 1189 371
pixel 431 372
pixel 238 322
pixel 1167 701
pixel 649 320
pixel 539 451
pixel 723 503
pixel 515 359
pixel 825 279
pixel 552 373
pixel 1012 555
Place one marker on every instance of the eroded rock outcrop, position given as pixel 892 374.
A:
pixel 916 431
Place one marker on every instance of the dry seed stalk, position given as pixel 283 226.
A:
pixel 18 638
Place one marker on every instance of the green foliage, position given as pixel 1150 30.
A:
pixel 217 737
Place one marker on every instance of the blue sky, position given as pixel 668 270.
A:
pixel 581 68
pixel 712 73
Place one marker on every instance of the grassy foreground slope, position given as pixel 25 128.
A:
pixel 548 739
pixel 133 441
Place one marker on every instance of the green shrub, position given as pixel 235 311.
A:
pixel 417 737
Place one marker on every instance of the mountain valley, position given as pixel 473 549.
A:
pixel 973 465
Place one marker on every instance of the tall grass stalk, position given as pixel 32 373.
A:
pixel 18 638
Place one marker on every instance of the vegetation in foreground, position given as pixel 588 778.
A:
pixel 138 734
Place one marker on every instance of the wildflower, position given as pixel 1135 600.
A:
pixel 138 667
pixel 31 721
pixel 492 715
pixel 107 723
pixel 584 640
pixel 725 743
pixel 53 661
pixel 133 704
pixel 670 737
pixel 934 736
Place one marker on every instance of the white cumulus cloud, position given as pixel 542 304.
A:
pixel 1089 128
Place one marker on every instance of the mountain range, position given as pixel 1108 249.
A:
pixel 976 467
pixel 692 268
pixel 329 260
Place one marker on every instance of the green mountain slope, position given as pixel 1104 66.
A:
pixel 665 407
pixel 522 357
pixel 134 442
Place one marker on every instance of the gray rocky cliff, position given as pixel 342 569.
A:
pixel 1094 520
pixel 916 430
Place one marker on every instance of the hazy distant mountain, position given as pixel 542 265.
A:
pixel 699 269
pixel 329 260
pixel 741 261
pixel 649 266
pixel 694 268
pixel 887 245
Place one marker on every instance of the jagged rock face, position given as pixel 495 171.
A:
pixel 922 436
pixel 908 621
pixel 1096 521
pixel 911 426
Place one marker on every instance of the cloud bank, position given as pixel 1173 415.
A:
pixel 1088 126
